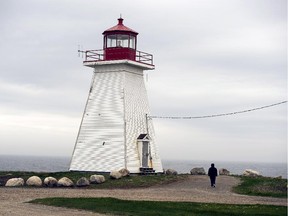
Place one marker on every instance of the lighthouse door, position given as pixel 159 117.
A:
pixel 145 153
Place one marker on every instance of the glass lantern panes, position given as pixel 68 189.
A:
pixel 120 40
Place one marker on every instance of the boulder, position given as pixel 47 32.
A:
pixel 50 182
pixel 171 172
pixel 65 182
pixel 97 179
pixel 124 172
pixel 34 181
pixel 82 182
pixel 115 174
pixel 250 172
pixel 198 171
pixel 15 182
pixel 223 171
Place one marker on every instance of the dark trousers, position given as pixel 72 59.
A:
pixel 213 180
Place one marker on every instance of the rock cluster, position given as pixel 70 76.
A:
pixel 50 182
pixel 97 179
pixel 224 171
pixel 65 182
pixel 34 181
pixel 124 172
pixel 198 171
pixel 171 172
pixel 251 173
pixel 15 182
pixel 62 182
pixel 117 174
pixel 82 182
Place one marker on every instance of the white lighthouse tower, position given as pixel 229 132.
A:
pixel 115 131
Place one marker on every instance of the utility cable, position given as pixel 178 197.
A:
pixel 217 115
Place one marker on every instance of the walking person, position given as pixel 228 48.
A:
pixel 212 173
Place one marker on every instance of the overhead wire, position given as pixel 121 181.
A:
pixel 218 115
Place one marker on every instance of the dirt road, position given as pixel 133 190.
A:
pixel 194 189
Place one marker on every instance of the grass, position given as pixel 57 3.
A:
pixel 143 208
pixel 134 181
pixel 259 186
pixel 262 186
pixel 256 186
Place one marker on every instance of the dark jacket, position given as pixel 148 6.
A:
pixel 212 171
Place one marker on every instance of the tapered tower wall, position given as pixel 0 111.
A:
pixel 115 115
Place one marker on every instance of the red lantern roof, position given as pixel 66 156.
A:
pixel 120 28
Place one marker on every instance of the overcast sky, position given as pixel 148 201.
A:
pixel 211 57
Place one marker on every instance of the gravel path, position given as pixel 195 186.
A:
pixel 194 189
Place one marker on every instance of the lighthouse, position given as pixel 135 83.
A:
pixel 116 131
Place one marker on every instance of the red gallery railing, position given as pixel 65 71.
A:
pixel 98 55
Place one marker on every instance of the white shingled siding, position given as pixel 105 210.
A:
pixel 136 107
pixel 117 98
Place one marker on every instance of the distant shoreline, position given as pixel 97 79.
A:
pixel 58 164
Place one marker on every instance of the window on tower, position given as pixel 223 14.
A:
pixel 120 40
pixel 132 42
pixel 111 41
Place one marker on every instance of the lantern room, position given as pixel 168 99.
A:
pixel 120 42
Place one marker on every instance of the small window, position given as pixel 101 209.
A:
pixel 122 40
pixel 132 42
pixel 111 41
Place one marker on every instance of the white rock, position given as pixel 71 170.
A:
pixel 34 181
pixel 115 174
pixel 50 182
pixel 198 171
pixel 97 179
pixel 223 171
pixel 171 172
pixel 124 172
pixel 82 182
pixel 15 182
pixel 250 172
pixel 65 182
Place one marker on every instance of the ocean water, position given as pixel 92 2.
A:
pixel 237 168
pixel 57 164
pixel 34 163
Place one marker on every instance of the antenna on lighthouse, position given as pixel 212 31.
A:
pixel 80 51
